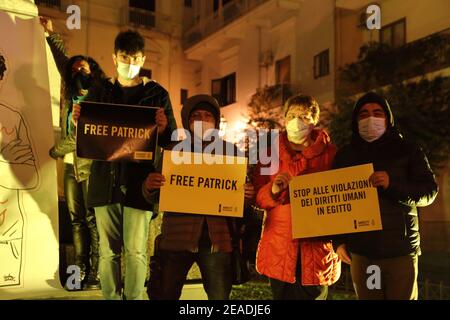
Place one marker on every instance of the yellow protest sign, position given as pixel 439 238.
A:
pixel 203 184
pixel 334 202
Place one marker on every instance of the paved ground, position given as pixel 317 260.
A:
pixel 73 295
pixel 190 292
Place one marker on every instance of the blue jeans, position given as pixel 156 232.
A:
pixel 128 227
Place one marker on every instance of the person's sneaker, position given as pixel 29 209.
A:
pixel 92 282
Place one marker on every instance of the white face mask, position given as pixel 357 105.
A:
pixel 200 128
pixel 128 71
pixel 371 128
pixel 298 131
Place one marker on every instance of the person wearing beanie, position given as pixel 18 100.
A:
pixel 298 269
pixel 189 238
pixel 404 182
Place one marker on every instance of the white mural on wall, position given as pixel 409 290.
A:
pixel 29 249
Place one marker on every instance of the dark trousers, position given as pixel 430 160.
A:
pixel 296 291
pixel 397 278
pixel 215 269
pixel 84 229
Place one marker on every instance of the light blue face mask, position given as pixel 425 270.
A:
pixel 127 71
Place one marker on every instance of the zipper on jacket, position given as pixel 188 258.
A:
pixel 405 227
pixel 75 167
pixel 111 171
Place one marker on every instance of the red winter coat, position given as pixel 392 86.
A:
pixel 277 251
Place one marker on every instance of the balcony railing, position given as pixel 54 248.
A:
pixel 49 3
pixel 137 17
pixel 381 65
pixel 216 21
pixel 140 17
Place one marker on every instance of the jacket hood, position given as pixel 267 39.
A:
pixel 202 101
pixel 371 97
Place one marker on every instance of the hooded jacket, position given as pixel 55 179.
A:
pixel 278 254
pixel 411 185
pixel 189 232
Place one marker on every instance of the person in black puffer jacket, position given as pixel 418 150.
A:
pixel 404 181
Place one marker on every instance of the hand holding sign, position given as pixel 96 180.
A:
pixel 249 192
pixel 343 254
pixel 201 188
pixel 380 179
pixel 154 180
pixel 161 120
pixel 76 110
pixel 333 202
pixel 281 182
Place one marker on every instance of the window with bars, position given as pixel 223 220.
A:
pixel 283 70
pixel 49 3
pixel 394 34
pixel 216 6
pixel 148 5
pixel 322 64
pixel 183 96
pixel 224 89
pixel 142 13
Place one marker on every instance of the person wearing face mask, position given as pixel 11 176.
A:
pixel 189 238
pixel 79 74
pixel 298 269
pixel 404 182
pixel 122 213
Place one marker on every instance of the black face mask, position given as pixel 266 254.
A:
pixel 82 81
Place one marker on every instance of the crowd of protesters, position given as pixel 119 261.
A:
pixel 111 203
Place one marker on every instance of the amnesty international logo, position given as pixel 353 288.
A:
pixel 9 277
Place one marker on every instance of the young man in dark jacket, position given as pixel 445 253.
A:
pixel 404 182
pixel 189 238
pixel 115 189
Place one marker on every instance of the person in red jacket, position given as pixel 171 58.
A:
pixel 299 269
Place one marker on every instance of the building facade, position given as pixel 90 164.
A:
pixel 159 21
pixel 230 48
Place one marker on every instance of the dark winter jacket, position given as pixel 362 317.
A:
pixel 187 232
pixel 67 142
pixel 411 185
pixel 109 179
